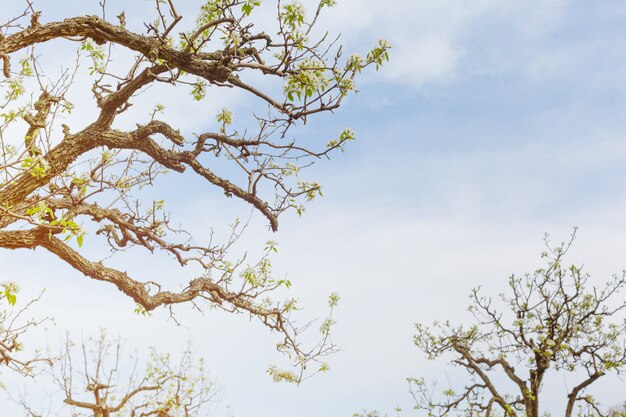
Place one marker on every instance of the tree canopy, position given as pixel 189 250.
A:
pixel 549 320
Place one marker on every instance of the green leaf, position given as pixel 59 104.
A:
pixel 11 298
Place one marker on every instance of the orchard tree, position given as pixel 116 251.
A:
pixel 550 320
pixel 100 378
pixel 64 183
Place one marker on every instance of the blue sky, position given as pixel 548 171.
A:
pixel 494 123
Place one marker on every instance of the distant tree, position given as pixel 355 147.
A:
pixel 617 410
pixel 550 320
pixel 58 181
pixel 367 414
pixel 374 413
pixel 100 378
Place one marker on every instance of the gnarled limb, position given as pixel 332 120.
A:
pixel 58 176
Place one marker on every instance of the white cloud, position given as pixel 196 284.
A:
pixel 435 41
pixel 423 35
pixel 422 61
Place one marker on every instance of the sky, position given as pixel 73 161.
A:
pixel 494 123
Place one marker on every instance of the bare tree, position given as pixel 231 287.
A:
pixel 551 320
pixel 58 182
pixel 99 378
